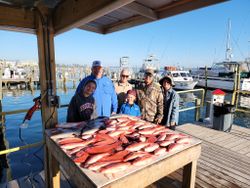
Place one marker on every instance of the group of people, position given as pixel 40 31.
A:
pixel 96 95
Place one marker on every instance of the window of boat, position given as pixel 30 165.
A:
pixel 175 74
pixel 183 74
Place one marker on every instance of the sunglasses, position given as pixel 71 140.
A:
pixel 148 75
pixel 125 76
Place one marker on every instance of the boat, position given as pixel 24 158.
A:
pixel 182 79
pixel 221 74
pixel 151 62
pixel 216 78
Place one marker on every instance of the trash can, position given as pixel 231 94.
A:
pixel 223 117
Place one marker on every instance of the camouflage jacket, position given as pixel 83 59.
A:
pixel 150 100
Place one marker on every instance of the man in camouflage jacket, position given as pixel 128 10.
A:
pixel 150 99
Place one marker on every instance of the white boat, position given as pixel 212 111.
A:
pixel 151 62
pixel 221 75
pixel 182 79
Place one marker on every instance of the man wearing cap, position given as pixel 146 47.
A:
pixel 150 99
pixel 105 96
pixel 171 103
pixel 130 107
pixel 122 87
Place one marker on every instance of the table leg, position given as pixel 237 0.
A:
pixel 52 171
pixel 55 172
pixel 189 173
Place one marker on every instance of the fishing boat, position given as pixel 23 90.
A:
pixel 182 79
pixel 221 74
pixel 151 62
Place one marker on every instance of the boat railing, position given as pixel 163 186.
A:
pixel 198 105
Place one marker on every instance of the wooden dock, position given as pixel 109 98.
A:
pixel 21 82
pixel 224 161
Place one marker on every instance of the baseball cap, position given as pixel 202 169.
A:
pixel 149 71
pixel 131 92
pixel 97 63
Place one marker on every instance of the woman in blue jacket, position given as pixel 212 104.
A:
pixel 105 95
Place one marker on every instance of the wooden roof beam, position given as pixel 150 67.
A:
pixel 172 9
pixel 17 19
pixel 127 23
pixel 142 10
pixel 70 13
pixel 179 7
pixel 91 28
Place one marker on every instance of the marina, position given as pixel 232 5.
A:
pixel 38 147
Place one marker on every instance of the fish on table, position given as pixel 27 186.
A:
pixel 111 145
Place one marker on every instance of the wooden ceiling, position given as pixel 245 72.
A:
pixel 100 16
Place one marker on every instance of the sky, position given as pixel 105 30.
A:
pixel 191 39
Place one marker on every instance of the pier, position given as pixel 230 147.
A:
pixel 224 161
pixel 19 83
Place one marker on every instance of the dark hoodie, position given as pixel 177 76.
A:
pixel 81 108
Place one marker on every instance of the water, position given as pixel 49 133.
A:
pixel 28 161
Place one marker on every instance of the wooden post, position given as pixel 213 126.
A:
pixel 74 83
pixel 1 93
pixel 236 84
pixel 197 110
pixel 45 40
pixel 31 80
pixel 64 82
pixel 207 114
pixel 206 77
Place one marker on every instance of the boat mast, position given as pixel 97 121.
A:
pixel 229 52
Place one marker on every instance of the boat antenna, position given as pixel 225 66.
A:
pixel 149 45
pixel 229 53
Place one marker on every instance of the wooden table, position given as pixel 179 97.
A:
pixel 133 177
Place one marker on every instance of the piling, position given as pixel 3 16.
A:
pixel 74 84
pixel 206 77
pixel 1 93
pixel 236 85
pixel 64 83
pixel 197 110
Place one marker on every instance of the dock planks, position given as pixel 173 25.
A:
pixel 225 157
pixel 35 181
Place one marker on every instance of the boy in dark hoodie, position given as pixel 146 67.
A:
pixel 82 105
